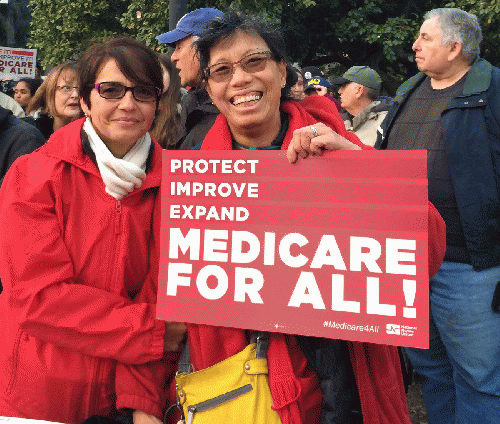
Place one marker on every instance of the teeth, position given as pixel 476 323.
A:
pixel 246 99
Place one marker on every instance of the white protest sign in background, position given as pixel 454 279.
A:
pixel 17 63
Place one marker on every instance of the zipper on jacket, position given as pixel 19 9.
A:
pixel 118 221
pixel 217 401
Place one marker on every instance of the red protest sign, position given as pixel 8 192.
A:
pixel 333 246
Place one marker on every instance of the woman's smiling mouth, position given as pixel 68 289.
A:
pixel 252 98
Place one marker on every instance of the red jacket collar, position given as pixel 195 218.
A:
pixel 309 111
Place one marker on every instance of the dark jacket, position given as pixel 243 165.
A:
pixel 43 122
pixel 197 116
pixel 471 135
pixel 16 139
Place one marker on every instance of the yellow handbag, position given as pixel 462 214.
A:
pixel 235 390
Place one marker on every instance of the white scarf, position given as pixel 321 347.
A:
pixel 120 176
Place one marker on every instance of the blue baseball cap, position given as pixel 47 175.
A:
pixel 192 23
pixel 316 80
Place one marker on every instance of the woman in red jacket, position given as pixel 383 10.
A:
pixel 248 80
pixel 78 257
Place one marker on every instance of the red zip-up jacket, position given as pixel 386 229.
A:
pixel 72 258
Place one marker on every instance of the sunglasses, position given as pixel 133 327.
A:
pixel 115 90
pixel 251 63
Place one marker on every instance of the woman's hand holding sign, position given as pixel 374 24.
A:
pixel 313 139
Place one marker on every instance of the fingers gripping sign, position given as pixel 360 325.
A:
pixel 299 145
pixel 313 139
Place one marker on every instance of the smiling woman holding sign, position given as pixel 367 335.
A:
pixel 247 77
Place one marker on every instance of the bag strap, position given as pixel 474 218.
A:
pixel 260 338
pixel 184 360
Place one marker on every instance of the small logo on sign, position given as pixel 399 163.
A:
pixel 393 329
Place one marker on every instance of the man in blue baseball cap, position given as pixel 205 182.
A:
pixel 189 27
pixel 198 113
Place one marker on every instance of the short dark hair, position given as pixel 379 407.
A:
pixel 225 26
pixel 32 84
pixel 136 60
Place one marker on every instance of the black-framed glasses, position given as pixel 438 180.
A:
pixel 115 90
pixel 251 63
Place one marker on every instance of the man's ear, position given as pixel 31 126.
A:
pixel 455 50
pixel 360 89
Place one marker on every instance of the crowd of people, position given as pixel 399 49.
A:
pixel 80 176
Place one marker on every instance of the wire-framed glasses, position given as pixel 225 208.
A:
pixel 251 63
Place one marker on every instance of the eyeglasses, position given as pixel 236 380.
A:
pixel 67 89
pixel 115 90
pixel 251 63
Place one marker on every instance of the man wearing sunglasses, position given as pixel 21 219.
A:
pixel 198 113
